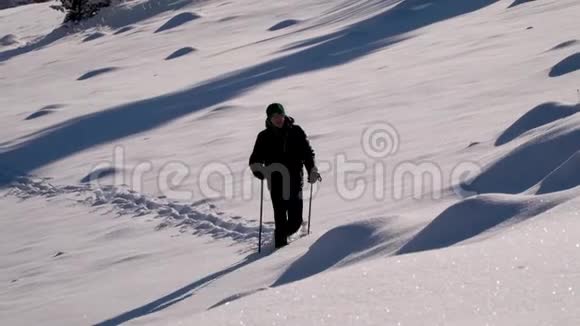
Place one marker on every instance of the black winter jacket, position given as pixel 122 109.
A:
pixel 288 146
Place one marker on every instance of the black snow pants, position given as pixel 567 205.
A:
pixel 286 195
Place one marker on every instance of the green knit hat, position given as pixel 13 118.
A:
pixel 274 108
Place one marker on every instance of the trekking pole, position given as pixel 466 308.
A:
pixel 310 203
pixel 261 209
pixel 310 207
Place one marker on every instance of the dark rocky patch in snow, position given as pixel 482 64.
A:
pixel 217 111
pixel 536 117
pixel 97 72
pixel 128 259
pixel 98 174
pixel 181 52
pixel 284 24
pixel 223 108
pixel 566 66
pixel 226 19
pixel 177 21
pixel 44 111
pixel 94 36
pixel 564 45
pixel 38 114
pixel 123 30
pixel 519 2
pixel 475 143
pixel 235 297
pixel 8 40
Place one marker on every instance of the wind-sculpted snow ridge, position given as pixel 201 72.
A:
pixel 202 217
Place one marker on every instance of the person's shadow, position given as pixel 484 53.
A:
pixel 182 293
pixel 348 44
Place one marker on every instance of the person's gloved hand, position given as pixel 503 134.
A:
pixel 258 174
pixel 314 176
pixel 257 170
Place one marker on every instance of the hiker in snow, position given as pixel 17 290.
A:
pixel 279 153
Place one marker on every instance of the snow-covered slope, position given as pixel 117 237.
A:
pixel 445 130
